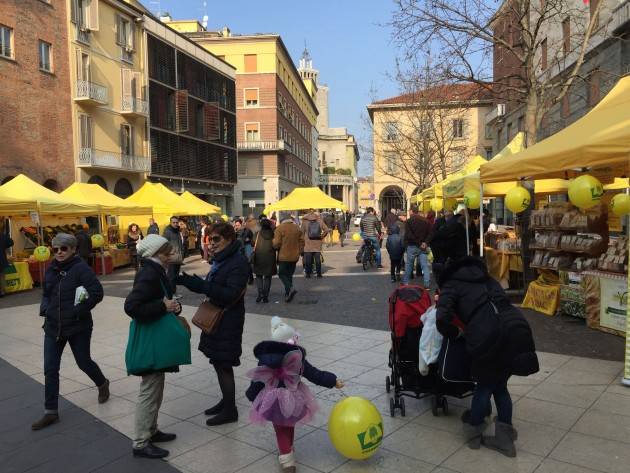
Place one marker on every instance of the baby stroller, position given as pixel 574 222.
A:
pixel 449 376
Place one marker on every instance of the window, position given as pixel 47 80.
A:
pixel 251 97
pixel 543 54
pixel 251 132
pixel 508 133
pixel 45 56
pixel 566 108
pixel 85 132
pixel 391 131
pixel 251 63
pixel 499 137
pixel 83 66
pixel 126 139
pixel 125 32
pixel 392 164
pixel 458 128
pixel 6 41
pixel 424 130
pixel 489 152
pixel 593 87
pixel 84 14
pixel 521 123
pixel 566 36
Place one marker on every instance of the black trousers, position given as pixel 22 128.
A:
pixel 308 262
pixel 286 270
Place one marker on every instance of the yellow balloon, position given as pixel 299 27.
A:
pixel 356 236
pixel 585 191
pixel 97 240
pixel 472 199
pixel 517 199
pixel 437 204
pixel 225 218
pixel 355 428
pixel 450 204
pixel 41 253
pixel 620 204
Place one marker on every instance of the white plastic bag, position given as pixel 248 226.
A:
pixel 80 295
pixel 430 340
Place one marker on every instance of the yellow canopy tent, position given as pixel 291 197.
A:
pixel 107 203
pixel 306 198
pixel 600 139
pixel 11 206
pixel 193 199
pixel 47 202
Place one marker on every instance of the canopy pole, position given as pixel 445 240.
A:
pixel 626 373
pixel 100 230
pixel 40 240
pixel 481 219
pixel 467 233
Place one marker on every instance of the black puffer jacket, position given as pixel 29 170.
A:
pixel 450 239
pixel 224 287
pixel 63 318
pixel 498 338
pixel 264 253
pixel 145 301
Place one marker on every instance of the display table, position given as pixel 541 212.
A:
pixel 34 270
pixel 18 277
pixel 543 295
pixel 120 257
pixel 500 263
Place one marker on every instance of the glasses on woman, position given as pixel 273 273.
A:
pixel 60 249
pixel 216 238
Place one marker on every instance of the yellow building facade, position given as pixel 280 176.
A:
pixel 400 128
pixel 109 102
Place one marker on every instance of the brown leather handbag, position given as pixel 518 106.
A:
pixel 208 316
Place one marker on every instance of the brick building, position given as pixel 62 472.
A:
pixel 35 117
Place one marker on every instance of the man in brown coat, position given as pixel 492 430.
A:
pixel 288 239
pixel 314 230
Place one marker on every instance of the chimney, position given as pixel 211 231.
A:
pixel 166 18
pixel 226 32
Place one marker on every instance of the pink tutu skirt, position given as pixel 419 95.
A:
pixel 282 406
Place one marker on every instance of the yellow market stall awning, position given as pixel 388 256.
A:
pixel 10 206
pixel 106 202
pixel 303 198
pixel 600 139
pixel 437 190
pixel 205 206
pixel 163 200
pixel 47 202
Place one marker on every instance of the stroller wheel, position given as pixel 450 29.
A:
pixel 402 407
pixel 444 405
pixel 388 384
pixel 392 407
pixel 434 406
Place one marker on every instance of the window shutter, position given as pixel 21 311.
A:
pixel 127 76
pixel 137 76
pixel 251 63
pixel 119 31
pixel 131 141
pixel 93 15
pixel 132 35
pixel 251 94
pixel 79 56
pixel 211 121
pixel 123 149
pixel 74 12
pixel 181 110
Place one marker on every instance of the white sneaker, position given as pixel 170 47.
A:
pixel 287 462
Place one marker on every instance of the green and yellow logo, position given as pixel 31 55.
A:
pixel 371 438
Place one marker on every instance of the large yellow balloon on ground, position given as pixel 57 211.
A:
pixel 437 205
pixel 356 237
pixel 585 191
pixel 620 204
pixel 472 199
pixel 97 240
pixel 41 253
pixel 355 428
pixel 517 199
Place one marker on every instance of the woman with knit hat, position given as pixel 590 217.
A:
pixel 151 299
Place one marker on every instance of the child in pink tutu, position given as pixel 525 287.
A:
pixel 277 392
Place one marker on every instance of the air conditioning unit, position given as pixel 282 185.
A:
pixel 500 109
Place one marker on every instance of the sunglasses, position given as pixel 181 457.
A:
pixel 216 239
pixel 61 248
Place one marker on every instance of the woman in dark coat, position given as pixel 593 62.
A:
pixel 5 243
pixel 151 299
pixel 499 344
pixel 264 260
pixel 225 287
pixel 134 235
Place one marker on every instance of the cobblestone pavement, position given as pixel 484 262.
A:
pixel 573 416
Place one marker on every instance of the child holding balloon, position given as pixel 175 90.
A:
pixel 277 392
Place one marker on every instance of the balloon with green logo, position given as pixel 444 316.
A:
pixel 620 204
pixel 97 240
pixel 437 204
pixel 41 253
pixel 355 428
pixel 585 191
pixel 472 199
pixel 517 199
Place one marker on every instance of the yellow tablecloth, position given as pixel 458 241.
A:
pixel 17 277
pixel 500 264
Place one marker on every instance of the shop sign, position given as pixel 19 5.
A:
pixel 613 303
pixel 542 298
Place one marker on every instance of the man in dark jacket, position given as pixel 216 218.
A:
pixel 417 231
pixel 5 243
pixel 371 230
pixel 331 222
pixel 396 251
pixel 390 219
pixel 172 234
pixel 84 243
pixel 153 228
pixel 70 291
pixel 499 343
pixel 342 228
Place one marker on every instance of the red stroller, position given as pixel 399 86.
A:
pixel 450 376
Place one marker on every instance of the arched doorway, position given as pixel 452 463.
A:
pixel 98 180
pixel 123 188
pixel 392 197
pixel 6 179
pixel 51 184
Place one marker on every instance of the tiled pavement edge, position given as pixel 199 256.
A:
pixel 573 417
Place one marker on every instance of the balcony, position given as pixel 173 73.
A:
pixel 274 145
pixel 496 112
pixel 620 16
pixel 335 180
pixel 82 34
pixel 94 158
pixel 133 107
pixel 90 93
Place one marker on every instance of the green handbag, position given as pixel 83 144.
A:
pixel 157 345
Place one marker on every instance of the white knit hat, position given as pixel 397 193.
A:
pixel 283 332
pixel 150 245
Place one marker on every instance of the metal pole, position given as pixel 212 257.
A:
pixel 481 219
pixel 100 230
pixel 467 233
pixel 626 374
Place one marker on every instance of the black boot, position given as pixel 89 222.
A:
pixel 150 451
pixel 214 410
pixel 48 419
pixel 226 416
pixel 259 286
pixel 162 437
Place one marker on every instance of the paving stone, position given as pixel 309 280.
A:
pixel 593 452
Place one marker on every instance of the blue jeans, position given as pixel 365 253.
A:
pixel 412 253
pixel 377 249
pixel 53 349
pixel 480 406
